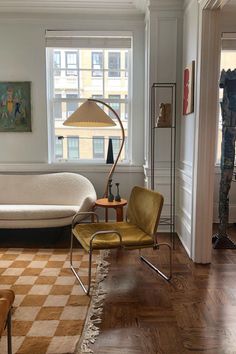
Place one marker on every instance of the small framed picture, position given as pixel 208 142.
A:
pixel 188 94
pixel 15 106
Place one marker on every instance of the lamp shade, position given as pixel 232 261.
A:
pixel 89 114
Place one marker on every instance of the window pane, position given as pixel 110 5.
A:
pixel 115 105
pixel 98 147
pixel 73 148
pixel 57 62
pixel 114 64
pixel 58 148
pixel 57 107
pixel 97 63
pixel 71 105
pixel 71 63
pixel 115 145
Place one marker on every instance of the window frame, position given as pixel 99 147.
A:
pixel 50 87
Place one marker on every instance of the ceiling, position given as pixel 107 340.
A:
pixel 230 5
pixel 78 6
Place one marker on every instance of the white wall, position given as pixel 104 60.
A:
pixel 22 41
pixel 187 134
pixel 163 64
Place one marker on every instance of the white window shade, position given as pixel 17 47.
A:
pixel 228 41
pixel 77 39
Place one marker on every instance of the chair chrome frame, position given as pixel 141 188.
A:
pixel 155 246
pixel 96 234
pixel 157 270
pixel 9 337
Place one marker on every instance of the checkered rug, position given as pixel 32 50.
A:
pixel 50 307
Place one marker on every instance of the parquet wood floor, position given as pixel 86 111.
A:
pixel 194 313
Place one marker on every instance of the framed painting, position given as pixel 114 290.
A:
pixel 15 106
pixel 188 94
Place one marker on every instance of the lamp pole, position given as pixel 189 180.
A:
pixel 121 146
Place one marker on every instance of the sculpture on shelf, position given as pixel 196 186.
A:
pixel 228 111
pixel 117 197
pixel 110 195
pixel 164 118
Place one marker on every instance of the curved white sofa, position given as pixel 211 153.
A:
pixel 45 200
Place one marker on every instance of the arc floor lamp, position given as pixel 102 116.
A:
pixel 89 114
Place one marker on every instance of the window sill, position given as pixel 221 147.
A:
pixel 67 167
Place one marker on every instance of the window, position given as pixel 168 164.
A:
pixel 115 105
pixel 98 147
pixel 126 64
pixel 58 147
pixel 57 63
pixel 73 148
pixel 57 107
pixel 114 64
pixel 97 64
pixel 71 63
pixel 115 145
pixel 126 107
pixel 76 83
pixel 71 104
pixel 228 61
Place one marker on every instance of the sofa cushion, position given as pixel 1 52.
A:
pixel 36 212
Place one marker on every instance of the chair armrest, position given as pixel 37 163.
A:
pixel 98 233
pixel 85 214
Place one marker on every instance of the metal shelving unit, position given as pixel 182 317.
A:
pixel 164 94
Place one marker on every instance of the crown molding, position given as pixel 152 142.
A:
pixel 73 6
pixel 165 5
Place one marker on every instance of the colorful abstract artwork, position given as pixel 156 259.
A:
pixel 188 95
pixel 15 107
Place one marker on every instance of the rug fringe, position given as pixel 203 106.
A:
pixel 91 329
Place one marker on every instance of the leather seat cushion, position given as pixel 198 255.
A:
pixel 132 236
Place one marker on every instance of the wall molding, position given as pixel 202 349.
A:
pixel 184 232
pixel 204 152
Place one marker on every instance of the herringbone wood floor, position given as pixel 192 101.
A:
pixel 194 313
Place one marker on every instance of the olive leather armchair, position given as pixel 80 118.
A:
pixel 7 297
pixel 137 232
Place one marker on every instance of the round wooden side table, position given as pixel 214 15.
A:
pixel 118 206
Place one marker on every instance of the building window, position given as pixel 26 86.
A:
pixel 58 148
pixel 71 104
pixel 126 64
pixel 57 107
pixel 115 103
pixel 57 63
pixel 73 148
pixel 114 64
pixel 126 107
pixel 97 64
pixel 75 84
pixel 71 63
pixel 98 147
pixel 115 145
